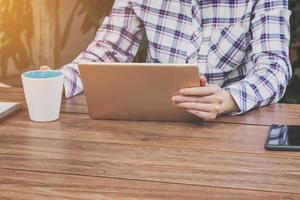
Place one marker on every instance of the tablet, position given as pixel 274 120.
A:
pixel 139 91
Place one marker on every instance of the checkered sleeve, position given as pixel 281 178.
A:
pixel 117 40
pixel 266 82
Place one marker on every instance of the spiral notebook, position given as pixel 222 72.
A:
pixel 8 109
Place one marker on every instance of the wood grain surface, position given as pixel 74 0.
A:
pixel 215 169
pixel 274 114
pixel 203 136
pixel 28 185
pixel 174 165
pixel 287 114
pixel 79 158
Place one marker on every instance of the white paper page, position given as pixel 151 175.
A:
pixel 5 106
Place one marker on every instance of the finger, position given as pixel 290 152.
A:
pixel 198 91
pixel 215 108
pixel 181 99
pixel 206 99
pixel 45 68
pixel 203 115
pixel 203 81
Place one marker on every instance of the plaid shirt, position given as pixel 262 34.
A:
pixel 240 45
pixel 279 135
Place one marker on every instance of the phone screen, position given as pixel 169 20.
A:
pixel 283 135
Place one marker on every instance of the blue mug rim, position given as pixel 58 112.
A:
pixel 56 75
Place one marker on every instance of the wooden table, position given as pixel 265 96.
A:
pixel 79 158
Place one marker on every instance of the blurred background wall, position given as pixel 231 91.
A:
pixel 53 32
pixel 46 32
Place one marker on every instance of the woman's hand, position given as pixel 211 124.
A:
pixel 45 68
pixel 207 102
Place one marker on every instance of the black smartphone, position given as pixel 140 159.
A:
pixel 283 138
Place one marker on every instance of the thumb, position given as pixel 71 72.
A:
pixel 45 68
pixel 203 81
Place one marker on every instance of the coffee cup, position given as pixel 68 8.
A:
pixel 43 94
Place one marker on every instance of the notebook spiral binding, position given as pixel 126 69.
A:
pixel 10 112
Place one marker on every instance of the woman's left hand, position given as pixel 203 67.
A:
pixel 206 102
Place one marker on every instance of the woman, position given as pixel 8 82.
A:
pixel 241 48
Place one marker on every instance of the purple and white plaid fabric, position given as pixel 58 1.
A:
pixel 279 135
pixel 240 45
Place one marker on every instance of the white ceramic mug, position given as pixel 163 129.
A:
pixel 43 93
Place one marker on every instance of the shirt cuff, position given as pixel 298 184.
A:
pixel 243 95
pixel 72 82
